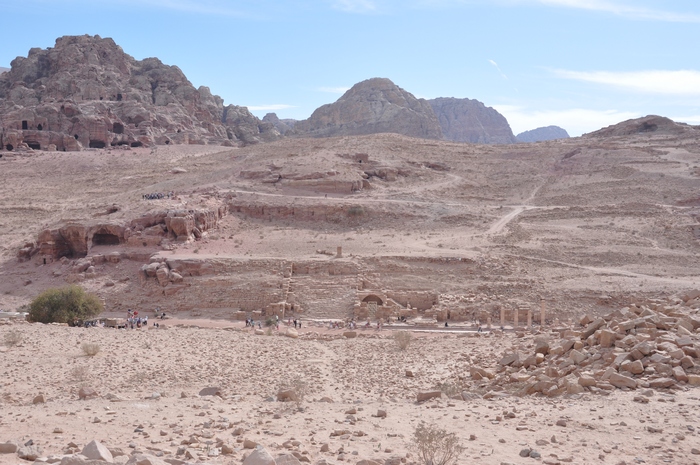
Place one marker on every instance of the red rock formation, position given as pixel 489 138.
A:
pixel 86 92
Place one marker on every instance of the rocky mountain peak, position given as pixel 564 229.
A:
pixel 373 106
pixel 466 120
pixel 542 134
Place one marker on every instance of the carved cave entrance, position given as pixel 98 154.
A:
pixel 373 298
pixel 118 128
pixel 97 144
pixel 105 239
pixel 34 145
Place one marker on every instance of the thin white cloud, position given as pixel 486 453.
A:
pixel 333 90
pixel 624 10
pixel 576 121
pixel 682 82
pixel 499 69
pixel 355 6
pixel 274 107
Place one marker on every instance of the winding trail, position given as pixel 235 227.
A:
pixel 690 281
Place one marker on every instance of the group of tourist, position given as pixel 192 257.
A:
pixel 158 196
pixel 134 321
pixel 249 322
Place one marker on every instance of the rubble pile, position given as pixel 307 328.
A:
pixel 654 344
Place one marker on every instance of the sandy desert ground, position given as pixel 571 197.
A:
pixel 587 225
pixel 148 383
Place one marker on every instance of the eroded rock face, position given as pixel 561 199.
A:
pixel 542 134
pixel 74 240
pixel 466 120
pixel 282 125
pixel 370 107
pixel 86 92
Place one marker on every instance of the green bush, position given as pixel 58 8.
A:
pixel 64 305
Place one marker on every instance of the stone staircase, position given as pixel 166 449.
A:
pixel 331 298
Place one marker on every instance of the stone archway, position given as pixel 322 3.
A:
pixel 374 298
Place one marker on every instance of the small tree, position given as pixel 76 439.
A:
pixel 64 305
pixel 434 446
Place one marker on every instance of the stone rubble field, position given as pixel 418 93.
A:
pixel 619 389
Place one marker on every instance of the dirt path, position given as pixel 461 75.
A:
pixel 606 270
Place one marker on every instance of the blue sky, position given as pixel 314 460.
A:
pixel 579 64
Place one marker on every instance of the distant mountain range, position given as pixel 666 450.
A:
pixel 3 70
pixel 86 92
pixel 542 134
pixel 378 105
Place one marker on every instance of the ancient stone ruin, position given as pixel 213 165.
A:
pixel 87 93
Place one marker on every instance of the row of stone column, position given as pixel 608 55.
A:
pixel 516 315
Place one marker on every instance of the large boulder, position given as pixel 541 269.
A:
pixel 259 456
pixel 95 450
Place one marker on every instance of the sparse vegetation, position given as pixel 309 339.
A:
pixel 12 338
pixel 64 305
pixel 403 339
pixel 435 446
pixel 449 388
pixel 90 348
pixel 300 388
pixel 79 374
pixel 356 210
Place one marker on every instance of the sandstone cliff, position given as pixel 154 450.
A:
pixel 283 126
pixel 86 92
pixel 465 120
pixel 373 106
pixel 542 134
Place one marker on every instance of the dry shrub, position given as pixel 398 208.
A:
pixel 90 348
pixel 12 338
pixel 79 374
pixel 449 388
pixel 300 388
pixel 403 339
pixel 434 446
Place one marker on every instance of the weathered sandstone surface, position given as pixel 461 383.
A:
pixel 373 106
pixel 465 120
pixel 85 92
pixel 651 124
